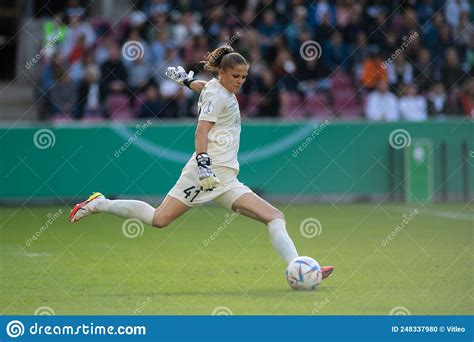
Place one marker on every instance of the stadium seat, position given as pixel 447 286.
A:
pixel 317 105
pixel 118 107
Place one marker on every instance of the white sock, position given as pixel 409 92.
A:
pixel 281 241
pixel 127 209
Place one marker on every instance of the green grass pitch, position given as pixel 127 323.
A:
pixel 91 267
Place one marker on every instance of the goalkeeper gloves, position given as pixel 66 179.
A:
pixel 178 75
pixel 207 178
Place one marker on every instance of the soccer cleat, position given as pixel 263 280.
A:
pixel 327 271
pixel 84 209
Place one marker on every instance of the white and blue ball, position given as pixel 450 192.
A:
pixel 304 273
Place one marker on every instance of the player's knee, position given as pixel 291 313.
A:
pixel 276 214
pixel 160 221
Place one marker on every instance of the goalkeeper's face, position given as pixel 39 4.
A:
pixel 233 78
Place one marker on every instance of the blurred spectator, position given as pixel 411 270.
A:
pixel 437 100
pixel 158 47
pixel 139 73
pixel 186 28
pixel 469 57
pixel 412 107
pixel 77 70
pixel 54 33
pixel 63 96
pixel 313 76
pixel 89 98
pixel 322 11
pixel 454 10
pixel 152 106
pixel 335 53
pixel 373 70
pixel 269 101
pixel 295 27
pixel 463 32
pixel 400 71
pixel 382 104
pixel 466 99
pixel 451 71
pixel 324 30
pixel 268 31
pixel 423 70
pixel 77 28
pixel 112 70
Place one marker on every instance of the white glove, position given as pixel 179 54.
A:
pixel 179 75
pixel 207 178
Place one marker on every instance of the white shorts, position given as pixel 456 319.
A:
pixel 187 189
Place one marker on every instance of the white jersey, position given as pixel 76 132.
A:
pixel 217 104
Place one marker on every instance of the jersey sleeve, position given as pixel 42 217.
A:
pixel 210 106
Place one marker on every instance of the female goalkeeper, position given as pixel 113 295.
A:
pixel 211 172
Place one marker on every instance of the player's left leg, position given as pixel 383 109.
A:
pixel 253 206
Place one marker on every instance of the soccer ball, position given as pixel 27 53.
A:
pixel 303 273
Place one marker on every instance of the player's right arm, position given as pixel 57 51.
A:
pixel 207 178
pixel 179 75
